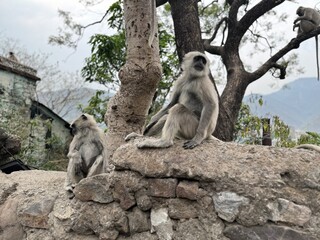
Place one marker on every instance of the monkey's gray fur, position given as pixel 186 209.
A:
pixel 87 151
pixel 192 112
pixel 309 146
pixel 308 20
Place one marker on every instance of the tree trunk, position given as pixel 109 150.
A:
pixel 230 104
pixel 237 82
pixel 139 77
pixel 186 26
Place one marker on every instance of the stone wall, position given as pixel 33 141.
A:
pixel 17 98
pixel 17 87
pixel 216 191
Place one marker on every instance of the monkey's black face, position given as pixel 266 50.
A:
pixel 73 129
pixel 199 63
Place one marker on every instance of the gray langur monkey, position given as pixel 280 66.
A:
pixel 87 151
pixel 12 57
pixel 308 20
pixel 193 109
pixel 309 146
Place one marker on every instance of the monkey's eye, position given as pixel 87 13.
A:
pixel 201 59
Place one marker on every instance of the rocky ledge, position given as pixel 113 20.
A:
pixel 216 191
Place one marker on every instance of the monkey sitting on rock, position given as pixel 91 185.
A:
pixel 87 151
pixel 192 112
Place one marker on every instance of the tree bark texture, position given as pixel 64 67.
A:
pixel 186 26
pixel 139 77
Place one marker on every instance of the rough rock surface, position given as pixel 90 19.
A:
pixel 216 191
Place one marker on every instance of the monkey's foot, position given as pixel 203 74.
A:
pixel 190 144
pixel 132 136
pixel 154 143
pixel 69 190
pixel 70 195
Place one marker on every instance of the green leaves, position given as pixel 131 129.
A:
pixel 108 55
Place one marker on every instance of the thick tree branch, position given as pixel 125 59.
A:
pixel 211 49
pixel 206 42
pixel 272 62
pixel 233 13
pixel 240 28
pixel 225 19
pixel 282 70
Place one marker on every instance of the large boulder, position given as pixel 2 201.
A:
pixel 216 191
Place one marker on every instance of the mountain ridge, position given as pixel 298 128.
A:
pixel 295 104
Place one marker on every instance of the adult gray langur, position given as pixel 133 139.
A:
pixel 308 20
pixel 193 109
pixel 87 151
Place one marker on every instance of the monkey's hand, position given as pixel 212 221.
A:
pixel 296 20
pixel 190 144
pixel 76 162
pixel 78 167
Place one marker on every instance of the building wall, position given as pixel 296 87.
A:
pixel 17 98
pixel 17 93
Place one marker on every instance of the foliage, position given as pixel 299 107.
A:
pixel 309 137
pixel 108 56
pixel 249 128
pixel 33 143
pixel 281 133
pixel 97 106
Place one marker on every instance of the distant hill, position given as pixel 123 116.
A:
pixel 297 104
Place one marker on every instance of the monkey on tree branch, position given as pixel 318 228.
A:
pixel 238 78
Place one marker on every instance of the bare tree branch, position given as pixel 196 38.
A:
pixel 97 22
pixel 271 62
pixel 223 20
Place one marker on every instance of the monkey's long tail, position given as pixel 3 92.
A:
pixel 309 146
pixel 317 56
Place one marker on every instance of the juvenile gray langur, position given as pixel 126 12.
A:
pixel 309 146
pixel 308 20
pixel 87 151
pixel 193 109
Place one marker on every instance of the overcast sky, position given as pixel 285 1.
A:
pixel 31 22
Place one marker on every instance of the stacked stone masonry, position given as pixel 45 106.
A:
pixel 17 87
pixel 216 191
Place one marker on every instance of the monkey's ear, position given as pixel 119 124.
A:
pixel 84 117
